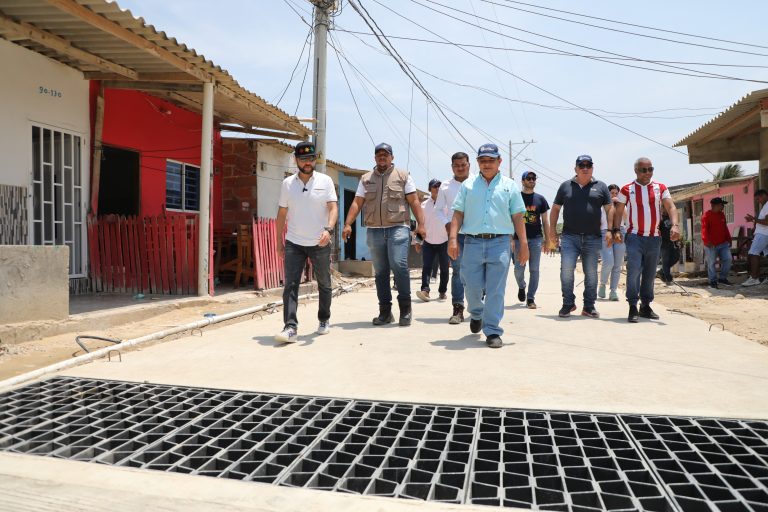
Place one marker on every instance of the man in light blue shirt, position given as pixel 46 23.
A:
pixel 488 210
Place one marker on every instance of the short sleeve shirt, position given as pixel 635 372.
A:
pixel 535 206
pixel 488 207
pixel 644 204
pixel 582 206
pixel 307 207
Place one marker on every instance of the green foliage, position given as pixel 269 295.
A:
pixel 728 171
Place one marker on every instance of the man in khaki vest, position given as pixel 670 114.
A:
pixel 384 195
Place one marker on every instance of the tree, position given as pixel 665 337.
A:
pixel 728 171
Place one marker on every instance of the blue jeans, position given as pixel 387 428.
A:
pixel 485 267
pixel 642 258
pixel 613 260
pixel 457 285
pixel 571 247
pixel 430 253
pixel 389 252
pixel 722 251
pixel 534 249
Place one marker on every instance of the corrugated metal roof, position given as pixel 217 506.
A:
pixel 75 29
pixel 745 108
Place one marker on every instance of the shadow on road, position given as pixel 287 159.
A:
pixel 467 342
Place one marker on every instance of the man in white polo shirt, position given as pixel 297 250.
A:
pixel 308 201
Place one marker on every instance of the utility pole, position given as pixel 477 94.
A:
pixel 319 110
pixel 511 158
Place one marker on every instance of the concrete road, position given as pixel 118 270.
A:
pixel 676 366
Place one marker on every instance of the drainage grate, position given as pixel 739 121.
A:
pixel 504 457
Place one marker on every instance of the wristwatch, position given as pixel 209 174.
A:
pixel 329 230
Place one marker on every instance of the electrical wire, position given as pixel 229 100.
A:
pixel 354 100
pixel 556 53
pixel 304 78
pixel 581 23
pixel 690 72
pixel 707 38
pixel 293 73
pixel 540 88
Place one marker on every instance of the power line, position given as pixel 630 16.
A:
pixel 354 100
pixel 709 110
pixel 556 52
pixel 707 38
pixel 627 32
pixel 298 61
pixel 304 78
pixel 691 72
pixel 538 87
pixel 359 8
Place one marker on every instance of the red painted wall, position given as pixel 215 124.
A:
pixel 158 130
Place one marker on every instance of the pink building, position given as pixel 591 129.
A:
pixel 693 201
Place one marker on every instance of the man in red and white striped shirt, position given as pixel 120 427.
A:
pixel 644 199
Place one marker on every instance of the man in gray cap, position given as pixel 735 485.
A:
pixel 385 195
pixel 433 246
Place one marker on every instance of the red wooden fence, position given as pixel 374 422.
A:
pixel 147 255
pixel 268 269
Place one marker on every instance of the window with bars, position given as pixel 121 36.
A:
pixel 57 194
pixel 182 186
pixel 728 211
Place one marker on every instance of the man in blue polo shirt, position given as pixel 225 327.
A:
pixel 488 210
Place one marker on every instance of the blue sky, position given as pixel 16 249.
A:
pixel 259 42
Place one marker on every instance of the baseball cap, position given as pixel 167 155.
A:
pixel 385 147
pixel 304 149
pixel 717 200
pixel 491 150
pixel 583 158
pixel 526 174
pixel 434 183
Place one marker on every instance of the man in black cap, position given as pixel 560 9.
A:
pixel 385 195
pixel 581 198
pixel 716 238
pixel 308 202
pixel 433 246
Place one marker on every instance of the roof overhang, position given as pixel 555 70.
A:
pixel 108 43
pixel 708 186
pixel 732 136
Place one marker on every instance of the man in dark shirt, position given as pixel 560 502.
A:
pixel 581 198
pixel 536 207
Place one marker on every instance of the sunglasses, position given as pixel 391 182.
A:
pixel 531 178
pixel 306 158
pixel 645 170
pixel 585 165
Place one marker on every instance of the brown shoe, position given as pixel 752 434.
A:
pixel 458 314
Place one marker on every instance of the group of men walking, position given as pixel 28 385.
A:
pixel 479 225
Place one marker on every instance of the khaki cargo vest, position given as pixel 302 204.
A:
pixel 385 204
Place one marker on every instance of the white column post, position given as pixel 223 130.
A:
pixel 206 168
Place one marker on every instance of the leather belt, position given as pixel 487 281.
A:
pixel 484 236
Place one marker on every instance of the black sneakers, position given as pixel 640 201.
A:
pixel 647 312
pixel 566 310
pixel 530 304
pixel 458 314
pixel 475 325
pixel 521 294
pixel 590 312
pixel 494 341
pixel 632 317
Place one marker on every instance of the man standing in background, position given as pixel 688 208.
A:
pixel 536 207
pixel 717 242
pixel 444 207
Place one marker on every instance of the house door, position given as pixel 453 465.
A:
pixel 351 244
pixel 58 210
pixel 119 182
pixel 698 247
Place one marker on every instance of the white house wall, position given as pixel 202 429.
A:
pixel 272 165
pixel 37 91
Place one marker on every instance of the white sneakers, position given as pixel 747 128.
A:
pixel 751 282
pixel 287 335
pixel 324 327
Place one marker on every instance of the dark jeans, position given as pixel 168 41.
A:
pixel 429 252
pixel 669 256
pixel 295 262
pixel 642 258
pixel 389 252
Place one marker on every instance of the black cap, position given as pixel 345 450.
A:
pixel 383 147
pixel 434 183
pixel 305 149
pixel 717 200
pixel 583 158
